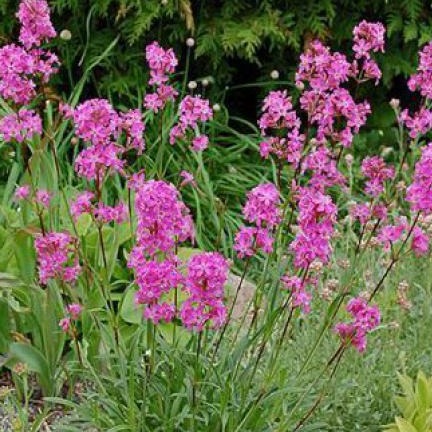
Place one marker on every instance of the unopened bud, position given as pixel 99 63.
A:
pixel 274 74
pixel 190 42
pixel 394 103
pixel 349 159
pixel 300 85
pixel 192 85
pixel 74 141
pixel 65 35
pixel 216 107
pixel 205 82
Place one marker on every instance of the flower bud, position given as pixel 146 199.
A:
pixel 300 85
pixel 274 74
pixel 190 42
pixel 349 159
pixel 216 107
pixel 205 82
pixel 74 141
pixel 192 85
pixel 66 35
pixel 394 103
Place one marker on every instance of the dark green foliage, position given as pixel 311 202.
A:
pixel 237 41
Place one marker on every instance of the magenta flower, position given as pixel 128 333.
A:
pixel 422 80
pixel 82 204
pixel 368 37
pixel 36 27
pixel 56 256
pixel 163 220
pixel 300 297
pixel 365 319
pixel 377 172
pixel 65 324
pixel 22 192
pixel 74 310
pixel 43 198
pixel 200 143
pixel 188 178
pixel 206 276
pixel 161 62
pixel 263 206
pixel 420 242
pixel 419 193
pixel 20 126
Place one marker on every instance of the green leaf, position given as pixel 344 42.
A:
pixel 404 425
pixel 129 311
pixel 35 361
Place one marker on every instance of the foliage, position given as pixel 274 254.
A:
pixel 77 281
pixel 238 42
pixel 415 405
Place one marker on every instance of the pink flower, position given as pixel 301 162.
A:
pixel 56 257
pixel 262 206
pixel 368 37
pixel 206 276
pixel 82 204
pixel 20 126
pixel 160 312
pixel 20 70
pixel 200 143
pixel 249 240
pixel 43 198
pixel 163 220
pixel 365 319
pixel 422 80
pixel 188 178
pixel 420 242
pixel 377 172
pixel 193 110
pixel 74 310
pixel 161 62
pixel 65 324
pixel 419 123
pixel 419 193
pixel 36 27
pixel 390 234
pixel 133 126
pixel 22 192
pixel 106 214
pixel 300 297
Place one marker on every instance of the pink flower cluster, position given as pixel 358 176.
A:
pixel 377 172
pixel 419 193
pixel 164 222
pixel 365 319
pixel 390 234
pixel 162 63
pixel 193 110
pixel 316 218
pixel 36 27
pixel 102 213
pixel 57 258
pixel 20 126
pixel 422 80
pixel 73 312
pixel 420 122
pixel 299 296
pixel 97 123
pixel 368 37
pixel 206 276
pixel 262 209
pixel 278 114
pixel 23 66
pixel 156 279
pixel 330 106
